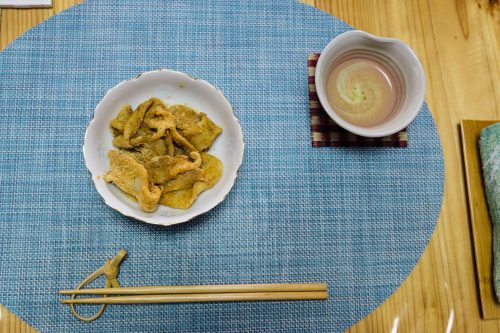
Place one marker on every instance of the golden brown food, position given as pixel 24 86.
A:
pixel 120 142
pixel 161 121
pixel 132 178
pixel 145 152
pixel 163 168
pixel 135 119
pixel 181 141
pixel 184 116
pixel 179 151
pixel 183 199
pixel 142 135
pixel 121 119
pixel 152 163
pixel 151 111
pixel 157 147
pixel 203 133
pixel 169 144
pixel 196 127
pixel 183 180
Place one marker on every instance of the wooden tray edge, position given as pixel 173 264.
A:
pixel 479 216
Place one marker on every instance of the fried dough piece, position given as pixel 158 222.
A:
pixel 196 127
pixel 141 157
pixel 203 133
pixel 132 178
pixel 148 150
pixel 153 165
pixel 184 116
pixel 179 151
pixel 158 147
pixel 115 132
pixel 144 134
pixel 183 199
pixel 163 168
pixel 136 118
pixel 145 152
pixel 161 121
pixel 183 181
pixel 151 111
pixel 155 127
pixel 120 142
pixel 181 141
pixel 169 144
pixel 121 119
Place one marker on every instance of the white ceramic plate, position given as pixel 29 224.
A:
pixel 173 88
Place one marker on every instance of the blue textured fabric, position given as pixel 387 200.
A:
pixel 358 219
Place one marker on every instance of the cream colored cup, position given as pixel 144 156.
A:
pixel 396 51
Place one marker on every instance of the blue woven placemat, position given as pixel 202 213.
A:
pixel 358 219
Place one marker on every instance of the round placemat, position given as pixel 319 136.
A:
pixel 356 218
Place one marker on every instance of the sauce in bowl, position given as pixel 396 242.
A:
pixel 364 88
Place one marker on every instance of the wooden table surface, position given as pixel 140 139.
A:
pixel 458 42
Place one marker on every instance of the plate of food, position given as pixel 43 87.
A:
pixel 163 147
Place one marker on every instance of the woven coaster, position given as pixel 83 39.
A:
pixel 326 133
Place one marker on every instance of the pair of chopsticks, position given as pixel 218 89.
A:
pixel 196 294
pixel 113 293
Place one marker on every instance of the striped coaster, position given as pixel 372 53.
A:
pixel 326 133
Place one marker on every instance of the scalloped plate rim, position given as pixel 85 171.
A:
pixel 151 218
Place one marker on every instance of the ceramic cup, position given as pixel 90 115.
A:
pixel 400 55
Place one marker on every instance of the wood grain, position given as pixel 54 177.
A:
pixel 458 44
pixel 200 289
pixel 203 298
pixel 479 216
pixel 463 79
pixel 14 22
pixel 10 323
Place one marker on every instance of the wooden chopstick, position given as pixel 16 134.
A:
pixel 207 297
pixel 213 289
